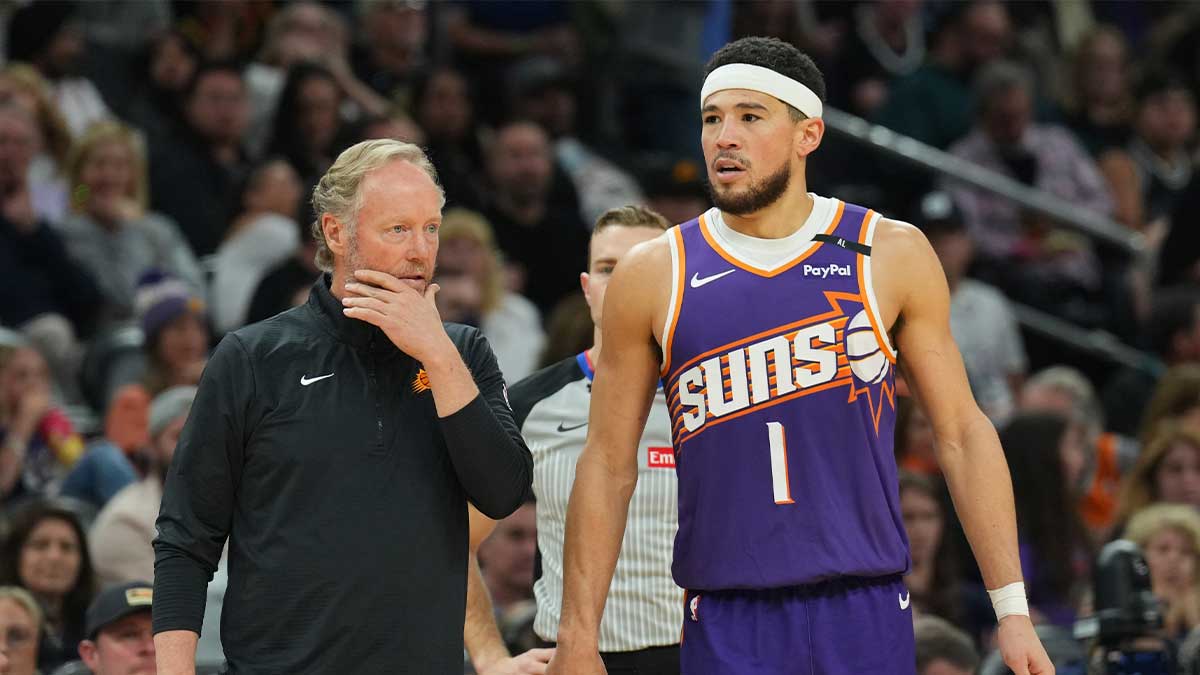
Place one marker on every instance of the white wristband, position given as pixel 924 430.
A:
pixel 1009 600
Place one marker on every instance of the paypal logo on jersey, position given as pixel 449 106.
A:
pixel 830 270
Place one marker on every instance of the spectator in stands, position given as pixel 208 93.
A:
pixel 943 649
pixel 264 234
pixel 394 40
pixel 675 188
pixel 109 230
pixel 194 174
pixel 122 534
pixel 40 444
pixel 20 627
pixel 119 636
pixel 569 330
pixel 885 42
pixel 1006 140
pixel 1045 460
pixel 914 439
pixel 1177 397
pixel 443 106
pixel 980 319
pixel 1179 253
pixel 1099 100
pixel 545 242
pixel 1148 174
pixel 543 91
pixel 471 276
pixel 1167 470
pixel 174 323
pixel 396 124
pixel 156 106
pixel 933 581
pixel 46 35
pixel 1108 457
pixel 23 85
pixel 1173 333
pixel 506 561
pixel 308 129
pixel 1169 536
pixel 43 292
pixel 933 105
pixel 287 284
pixel 46 554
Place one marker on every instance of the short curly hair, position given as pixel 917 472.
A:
pixel 775 54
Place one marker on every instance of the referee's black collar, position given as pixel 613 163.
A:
pixel 356 333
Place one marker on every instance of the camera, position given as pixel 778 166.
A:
pixel 1125 630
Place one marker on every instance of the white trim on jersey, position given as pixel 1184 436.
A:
pixel 869 289
pixel 675 290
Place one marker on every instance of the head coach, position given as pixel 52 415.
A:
pixel 336 446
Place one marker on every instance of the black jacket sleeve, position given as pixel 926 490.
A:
pixel 198 498
pixel 486 448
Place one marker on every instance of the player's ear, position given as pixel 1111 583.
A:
pixel 807 136
pixel 584 282
pixel 336 234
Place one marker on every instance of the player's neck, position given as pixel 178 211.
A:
pixel 594 352
pixel 778 220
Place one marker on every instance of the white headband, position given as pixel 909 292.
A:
pixel 765 80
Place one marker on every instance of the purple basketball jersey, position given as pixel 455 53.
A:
pixel 780 387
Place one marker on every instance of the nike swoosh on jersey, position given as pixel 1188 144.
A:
pixel 305 381
pixel 562 428
pixel 904 600
pixel 698 281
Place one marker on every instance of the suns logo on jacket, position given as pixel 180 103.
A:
pixel 420 383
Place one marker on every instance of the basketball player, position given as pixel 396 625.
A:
pixel 775 321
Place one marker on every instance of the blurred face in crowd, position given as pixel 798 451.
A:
pixel 50 559
pixel 64 51
pixel 924 523
pixel 18 639
pixel 987 32
pixel 217 109
pixel 1171 555
pixel 919 443
pixel 553 107
pixel 1167 120
pixel 18 144
pixel 275 189
pixel 396 230
pixel 1102 69
pixel 462 269
pixel 1177 478
pixel 320 102
pixel 25 373
pixel 445 110
pixel 749 144
pixel 1072 452
pixel 521 163
pixel 107 173
pixel 609 245
pixel 171 64
pixel 183 342
pixel 401 128
pixel 507 555
pixel 16 92
pixel 396 33
pixel 1008 115
pixel 308 34
pixel 124 647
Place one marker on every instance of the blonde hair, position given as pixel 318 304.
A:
pixel 1177 393
pixel 1154 519
pixel 339 192
pixel 460 223
pixel 1138 490
pixel 23 599
pixel 98 134
pixel 49 121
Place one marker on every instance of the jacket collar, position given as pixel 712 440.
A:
pixel 358 334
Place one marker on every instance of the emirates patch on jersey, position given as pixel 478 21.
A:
pixel 660 458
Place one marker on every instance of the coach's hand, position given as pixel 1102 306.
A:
pixel 409 319
pixel 568 661
pixel 532 662
pixel 1022 650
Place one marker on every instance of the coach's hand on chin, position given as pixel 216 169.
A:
pixel 1019 645
pixel 570 660
pixel 408 317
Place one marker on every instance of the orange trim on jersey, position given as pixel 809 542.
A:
pixel 763 406
pixel 668 337
pixel 834 312
pixel 787 479
pixel 712 241
pixel 866 295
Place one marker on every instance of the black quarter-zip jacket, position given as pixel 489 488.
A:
pixel 314 445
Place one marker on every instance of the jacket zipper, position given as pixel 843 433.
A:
pixel 375 393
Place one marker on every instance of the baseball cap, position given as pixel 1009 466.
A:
pixel 116 603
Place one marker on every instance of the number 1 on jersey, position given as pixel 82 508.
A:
pixel 779 469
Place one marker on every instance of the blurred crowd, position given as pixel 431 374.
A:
pixel 157 157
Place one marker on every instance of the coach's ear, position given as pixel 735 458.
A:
pixel 336 234
pixel 808 135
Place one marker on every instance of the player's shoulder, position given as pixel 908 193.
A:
pixel 541 385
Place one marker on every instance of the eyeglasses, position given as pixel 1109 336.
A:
pixel 15 638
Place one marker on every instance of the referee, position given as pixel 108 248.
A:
pixel 639 632
pixel 336 446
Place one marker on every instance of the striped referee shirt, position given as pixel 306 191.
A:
pixel 645 607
